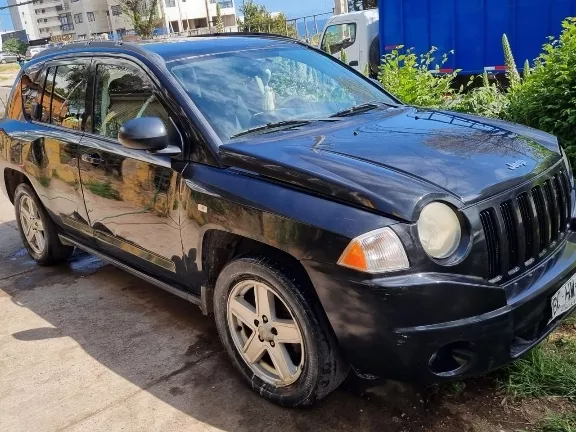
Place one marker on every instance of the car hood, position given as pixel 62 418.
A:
pixel 394 160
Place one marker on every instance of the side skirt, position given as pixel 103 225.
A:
pixel 197 300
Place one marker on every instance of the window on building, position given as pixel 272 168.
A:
pixel 68 97
pixel 22 13
pixel 43 10
pixel 170 3
pixel 123 93
pixel 90 16
pixel 78 18
pixel 116 10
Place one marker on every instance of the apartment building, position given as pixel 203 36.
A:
pixel 198 16
pixel 83 19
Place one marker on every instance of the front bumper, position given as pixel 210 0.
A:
pixel 433 327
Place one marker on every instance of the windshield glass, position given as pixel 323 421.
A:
pixel 239 91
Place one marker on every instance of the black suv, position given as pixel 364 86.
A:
pixel 325 224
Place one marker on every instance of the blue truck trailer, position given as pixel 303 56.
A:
pixel 472 28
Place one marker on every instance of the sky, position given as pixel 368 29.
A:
pixel 292 8
pixel 5 20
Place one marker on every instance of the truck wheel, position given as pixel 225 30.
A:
pixel 374 57
pixel 37 230
pixel 276 334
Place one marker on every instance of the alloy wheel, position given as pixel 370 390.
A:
pixel 32 226
pixel 265 333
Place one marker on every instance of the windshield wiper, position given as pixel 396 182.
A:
pixel 363 107
pixel 274 125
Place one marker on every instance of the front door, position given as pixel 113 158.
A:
pixel 130 195
pixel 341 38
pixel 55 109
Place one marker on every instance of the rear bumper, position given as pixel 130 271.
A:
pixel 394 326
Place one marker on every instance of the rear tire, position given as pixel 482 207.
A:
pixel 296 361
pixel 37 230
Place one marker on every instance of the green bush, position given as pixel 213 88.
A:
pixel 488 100
pixel 410 79
pixel 546 99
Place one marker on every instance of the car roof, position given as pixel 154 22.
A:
pixel 177 48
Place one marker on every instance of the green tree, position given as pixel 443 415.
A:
pixel 143 14
pixel 258 19
pixel 357 5
pixel 14 46
pixel 219 22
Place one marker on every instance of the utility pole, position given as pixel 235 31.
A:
pixel 208 19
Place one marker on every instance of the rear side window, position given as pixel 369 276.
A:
pixel 67 95
pixel 31 85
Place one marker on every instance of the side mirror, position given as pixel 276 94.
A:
pixel 144 133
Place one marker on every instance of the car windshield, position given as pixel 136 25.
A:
pixel 244 90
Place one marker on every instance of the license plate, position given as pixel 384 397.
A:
pixel 564 299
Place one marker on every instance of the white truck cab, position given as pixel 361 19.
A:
pixel 356 33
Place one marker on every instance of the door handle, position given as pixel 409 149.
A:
pixel 93 159
pixel 353 63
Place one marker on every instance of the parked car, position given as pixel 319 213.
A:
pixel 32 51
pixel 8 58
pixel 327 226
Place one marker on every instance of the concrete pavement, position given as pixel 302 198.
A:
pixel 85 346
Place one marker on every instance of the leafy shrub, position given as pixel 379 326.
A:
pixel 408 77
pixel 546 99
pixel 488 100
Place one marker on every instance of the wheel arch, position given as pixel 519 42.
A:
pixel 12 178
pixel 220 246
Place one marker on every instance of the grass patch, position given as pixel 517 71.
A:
pixel 558 423
pixel 547 370
pixel 104 189
pixel 570 321
pixel 9 67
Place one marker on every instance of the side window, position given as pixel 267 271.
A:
pixel 68 106
pixel 31 84
pixel 123 93
pixel 47 95
pixel 338 37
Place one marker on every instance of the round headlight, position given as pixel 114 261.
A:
pixel 439 230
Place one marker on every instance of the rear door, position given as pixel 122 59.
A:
pixel 55 110
pixel 341 37
pixel 130 195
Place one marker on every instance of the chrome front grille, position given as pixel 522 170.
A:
pixel 523 229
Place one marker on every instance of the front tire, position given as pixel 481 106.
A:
pixel 37 230
pixel 276 334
